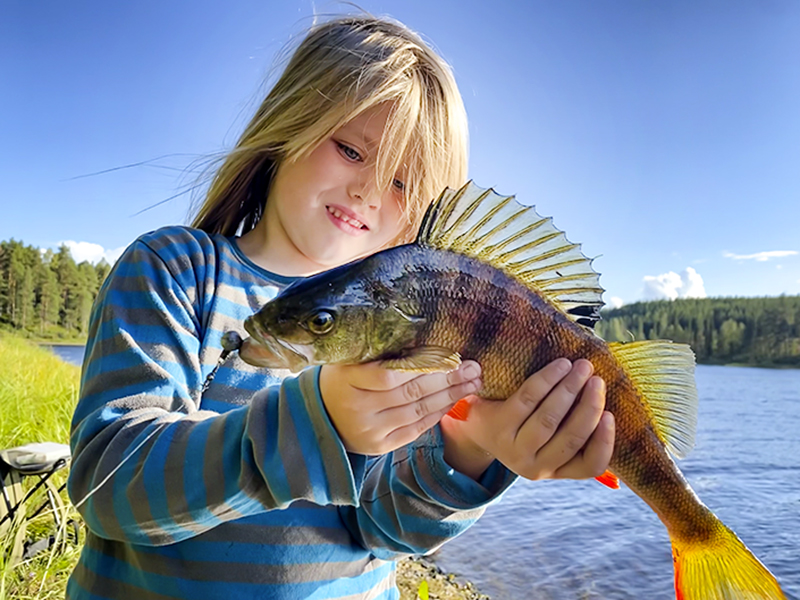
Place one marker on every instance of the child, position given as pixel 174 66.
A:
pixel 307 486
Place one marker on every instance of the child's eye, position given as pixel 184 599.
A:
pixel 349 152
pixel 399 185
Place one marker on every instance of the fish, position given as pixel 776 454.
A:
pixel 488 279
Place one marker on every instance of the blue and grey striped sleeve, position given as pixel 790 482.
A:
pixel 412 501
pixel 149 465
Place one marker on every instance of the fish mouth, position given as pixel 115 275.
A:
pixel 262 349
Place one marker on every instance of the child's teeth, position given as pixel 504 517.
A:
pixel 340 215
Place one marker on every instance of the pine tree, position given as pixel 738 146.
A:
pixel 67 274
pixel 49 299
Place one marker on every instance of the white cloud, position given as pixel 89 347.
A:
pixel 760 256
pixel 615 302
pixel 669 286
pixel 82 251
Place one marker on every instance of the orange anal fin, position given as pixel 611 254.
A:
pixel 607 478
pixel 460 411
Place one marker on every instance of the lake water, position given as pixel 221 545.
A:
pixel 71 354
pixel 580 540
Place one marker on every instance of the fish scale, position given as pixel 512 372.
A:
pixel 490 280
pixel 467 295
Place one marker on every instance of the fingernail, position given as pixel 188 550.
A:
pixel 471 371
pixel 473 386
pixel 562 366
pixel 584 368
pixel 597 383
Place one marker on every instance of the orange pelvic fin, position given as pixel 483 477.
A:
pixel 609 479
pixel 460 411
pixel 721 567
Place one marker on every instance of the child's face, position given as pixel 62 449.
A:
pixel 324 210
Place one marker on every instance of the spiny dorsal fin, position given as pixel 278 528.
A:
pixel 511 237
pixel 663 373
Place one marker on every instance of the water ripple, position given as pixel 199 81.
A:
pixel 562 540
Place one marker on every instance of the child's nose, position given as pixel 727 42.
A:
pixel 364 187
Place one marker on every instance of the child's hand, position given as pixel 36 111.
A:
pixel 377 410
pixel 553 427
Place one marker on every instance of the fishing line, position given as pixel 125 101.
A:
pixel 142 163
pixel 231 342
pixel 91 492
pixel 165 200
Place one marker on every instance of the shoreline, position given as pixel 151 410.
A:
pixel 441 585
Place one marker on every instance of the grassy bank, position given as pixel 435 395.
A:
pixel 38 392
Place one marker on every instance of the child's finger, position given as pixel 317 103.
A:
pixel 596 455
pixel 522 403
pixel 448 385
pixel 543 423
pixel 577 428
pixel 409 413
pixel 374 377
pixel 408 433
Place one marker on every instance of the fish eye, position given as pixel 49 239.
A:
pixel 320 323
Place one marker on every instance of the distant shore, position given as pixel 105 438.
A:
pixel 46 342
pixel 60 337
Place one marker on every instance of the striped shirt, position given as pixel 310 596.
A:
pixel 245 490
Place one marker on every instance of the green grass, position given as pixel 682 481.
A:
pixel 38 392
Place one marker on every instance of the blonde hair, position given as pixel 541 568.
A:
pixel 342 68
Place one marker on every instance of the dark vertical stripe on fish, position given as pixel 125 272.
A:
pixel 547 346
pixel 489 322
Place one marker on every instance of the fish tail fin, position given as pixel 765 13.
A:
pixel 721 568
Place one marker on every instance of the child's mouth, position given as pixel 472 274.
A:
pixel 338 214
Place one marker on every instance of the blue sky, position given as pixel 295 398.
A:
pixel 664 136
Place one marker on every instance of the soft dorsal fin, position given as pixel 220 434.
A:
pixel 663 373
pixel 511 237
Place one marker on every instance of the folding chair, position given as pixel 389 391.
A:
pixel 40 460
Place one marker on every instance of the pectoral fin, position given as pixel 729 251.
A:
pixel 460 411
pixel 609 479
pixel 425 359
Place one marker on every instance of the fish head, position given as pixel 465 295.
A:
pixel 348 315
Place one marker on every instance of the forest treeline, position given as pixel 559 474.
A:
pixel 45 293
pixel 749 331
